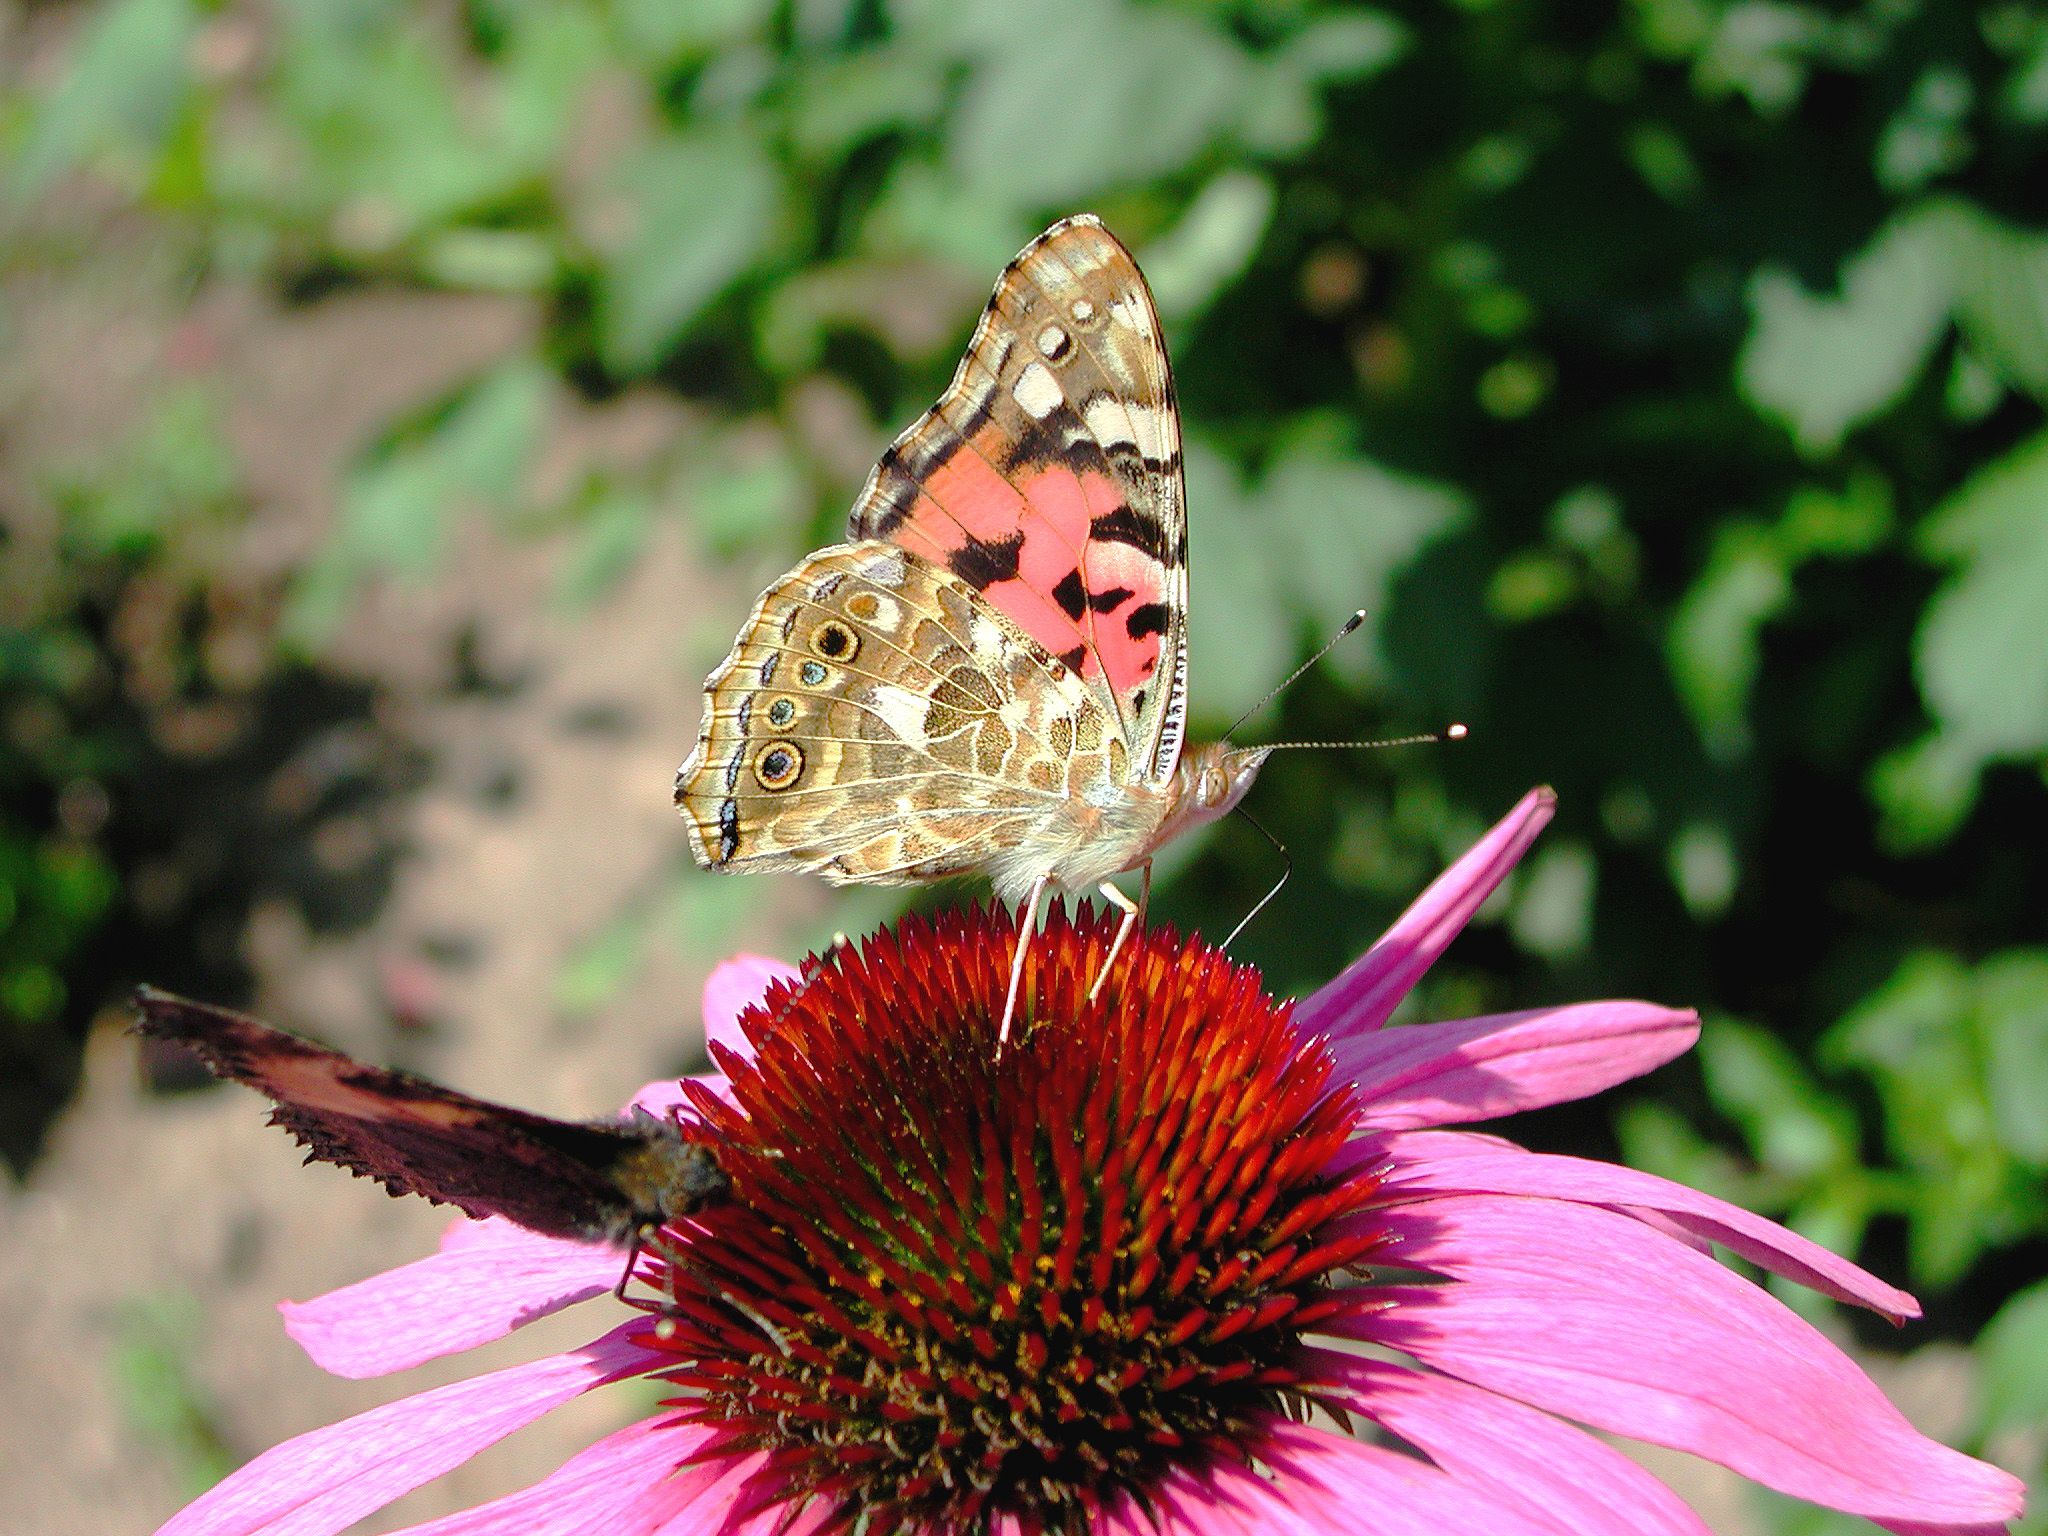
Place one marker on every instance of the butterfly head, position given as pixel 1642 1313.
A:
pixel 1210 780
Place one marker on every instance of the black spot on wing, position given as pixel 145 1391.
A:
pixel 1071 595
pixel 981 563
pixel 1110 601
pixel 728 830
pixel 1074 658
pixel 1125 526
pixel 1146 619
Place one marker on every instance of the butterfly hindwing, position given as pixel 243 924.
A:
pixel 1048 478
pixel 597 1182
pixel 879 721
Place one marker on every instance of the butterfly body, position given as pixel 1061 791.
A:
pixel 991 675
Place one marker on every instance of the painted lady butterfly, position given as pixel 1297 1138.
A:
pixel 991 674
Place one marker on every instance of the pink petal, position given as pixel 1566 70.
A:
pixel 1529 1460
pixel 1476 1069
pixel 1362 997
pixel 1588 1313
pixel 325 1480
pixel 732 988
pixel 489 1278
pixel 1343 1485
pixel 1436 1162
pixel 624 1486
pixel 1215 1500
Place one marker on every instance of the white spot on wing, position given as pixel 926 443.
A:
pixel 1052 341
pixel 885 570
pixel 1146 428
pixel 900 709
pixel 1037 391
pixel 1083 311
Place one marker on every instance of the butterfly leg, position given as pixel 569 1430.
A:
pixel 1027 924
pixel 1130 911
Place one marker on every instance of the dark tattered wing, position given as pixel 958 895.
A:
pixel 599 1182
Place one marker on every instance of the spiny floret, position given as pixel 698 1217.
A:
pixel 954 1284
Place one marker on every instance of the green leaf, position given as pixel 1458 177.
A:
pixel 2012 993
pixel 1345 529
pixel 706 207
pixel 2009 1354
pixel 835 104
pixel 1714 644
pixel 2002 300
pixel 1979 655
pixel 1926 138
pixel 742 491
pixel 1282 111
pixel 1211 245
pixel 610 536
pixel 1823 365
pixel 1236 650
pixel 127 81
pixel 1923 1040
pixel 1793 1125
pixel 1142 91
pixel 1553 911
pixel 398 501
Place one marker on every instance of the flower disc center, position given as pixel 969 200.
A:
pixel 955 1284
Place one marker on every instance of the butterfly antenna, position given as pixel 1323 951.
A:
pixel 1452 732
pixel 1286 873
pixel 1293 677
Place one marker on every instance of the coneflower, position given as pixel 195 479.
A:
pixel 1116 1279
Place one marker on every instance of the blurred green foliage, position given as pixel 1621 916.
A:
pixel 1664 377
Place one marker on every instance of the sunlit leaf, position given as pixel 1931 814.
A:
pixel 2009 1353
pixel 1979 655
pixel 1824 364
pixel 1211 244
pixel 126 81
pixel 704 208
pixel 1138 92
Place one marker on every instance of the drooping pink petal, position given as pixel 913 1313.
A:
pixel 1439 1162
pixel 327 1479
pixel 489 1278
pixel 732 988
pixel 624 1485
pixel 1529 1460
pixel 1588 1313
pixel 1342 1484
pixel 1477 1069
pixel 1362 996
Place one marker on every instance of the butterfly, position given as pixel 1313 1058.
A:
pixel 990 675
pixel 607 1181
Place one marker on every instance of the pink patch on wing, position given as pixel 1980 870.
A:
pixel 1065 504
pixel 974 501
pixel 966 498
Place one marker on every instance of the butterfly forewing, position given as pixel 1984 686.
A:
pixel 1048 478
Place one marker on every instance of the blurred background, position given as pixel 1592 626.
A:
pixel 400 406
